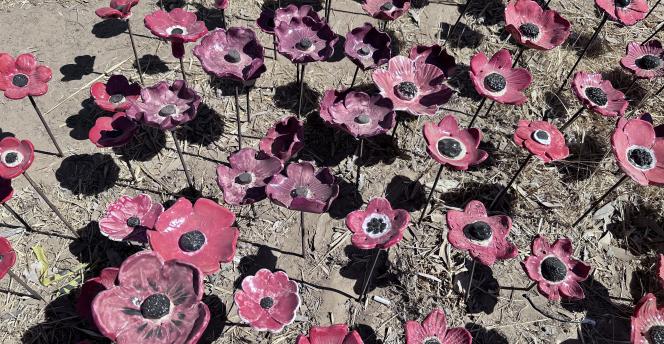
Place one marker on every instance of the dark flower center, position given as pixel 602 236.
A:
pixel 640 157
pixel 20 80
pixel 362 119
pixel 648 62
pixel 133 221
pixel 495 82
pixel 116 98
pixel 542 137
pixel 406 90
pixel 597 96
pixel 376 226
pixel 233 56
pixel 11 157
pixel 155 306
pixel 304 44
pixel 120 7
pixel 432 341
pixel 623 3
pixel 364 51
pixel 177 31
pixel 529 30
pixel 191 241
pixel 450 147
pixel 477 231
pixel 387 6
pixel 656 334
pixel 267 302
pixel 168 110
pixel 300 191
pixel 553 269
pixel 244 178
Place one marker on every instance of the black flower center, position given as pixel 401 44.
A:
pixel 648 62
pixel 495 82
pixel 300 191
pixel 529 30
pixel 133 221
pixel 477 231
pixel 450 147
pixel 233 56
pixel 244 178
pixel 177 31
pixel 11 157
pixel 304 44
pixel 640 157
pixel 362 119
pixel 168 110
pixel 432 341
pixel 623 3
pixel 364 51
pixel 387 6
pixel 155 306
pixel 116 98
pixel 191 241
pixel 542 137
pixel 20 80
pixel 597 96
pixel 267 302
pixel 376 226
pixel 553 269
pixel 406 90
pixel 120 7
pixel 656 334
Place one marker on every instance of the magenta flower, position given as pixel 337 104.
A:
pixel 647 325
pixel 221 4
pixel 639 150
pixel 367 47
pixel 434 55
pixel 379 226
pixel 412 86
pixel 497 80
pixel 542 139
pixel 626 12
pixel 335 334
pixel 165 106
pixel 357 113
pixel 660 270
pixel 268 301
pixel 154 302
pixel 6 191
pixel 8 257
pixel 450 145
pixel 434 329
pixel 118 9
pixel 112 131
pixel 534 27
pixel 304 188
pixel 598 95
pixel 116 95
pixel 177 26
pixel 244 181
pixel 386 9
pixel 269 19
pixel 305 40
pixel 284 139
pixel 23 77
pixel 644 60
pixel 16 156
pixel 107 279
pixel 129 217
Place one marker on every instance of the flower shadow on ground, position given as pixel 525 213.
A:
pixel 288 96
pixel 317 5
pixel 577 41
pixel 490 12
pixel 622 80
pixel 81 123
pixel 357 269
pixel 638 229
pixel 93 247
pixel 87 174
pixel 559 107
pixel 324 145
pixel 404 193
pixel 206 128
pixel 463 36
pixel 211 16
pixel 463 86
pixel 152 65
pixel 109 28
pixel 215 327
pixel 483 296
pixel 484 193
pixel 369 336
pixel 645 280
pixel 145 145
pixel 584 159
pixel 347 201
pixel 249 265
pixel 483 336
pixel 83 65
pixel 170 4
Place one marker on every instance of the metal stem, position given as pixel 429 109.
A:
pixel 299 107
pixel 396 125
pixel 518 56
pixel 303 235
pixel 470 281
pixel 357 69
pixel 184 76
pixel 367 281
pixel 572 119
pixel 133 47
pixel 594 205
pixel 359 166
pixel 509 184
pixel 652 9
pixel 453 28
pixel 433 189
pixel 237 117
pixel 184 165
pixel 477 112
pixel 25 285
pixel 50 204
pixel 18 217
pixel 659 28
pixel 48 129
pixel 248 106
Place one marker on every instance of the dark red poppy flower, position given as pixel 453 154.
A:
pixel 497 80
pixel 357 113
pixel 107 279
pixel 412 86
pixel 647 323
pixel 386 9
pixel 129 218
pixel 660 270
pixel 243 182
pixel 268 301
pixel 434 330
pixel 268 19
pixel 6 190
pixel 555 271
pixel 639 150
pixel 598 95
pixel 16 156
pixel 367 47
pixel 542 139
pixel 23 77
pixel 222 4
pixel 165 106
pixel 644 60
pixel 335 334
pixel 284 139
pixel 112 131
pixel 434 55
pixel 451 145
pixel 305 40
pixel 304 188
pixel 8 257
pixel 626 12
pixel 379 226
pixel 177 26
pixel 534 27
pixel 201 235
pixel 154 302
pixel 116 94
pixel 118 9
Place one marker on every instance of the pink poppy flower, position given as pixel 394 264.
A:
pixel 542 139
pixel 118 9
pixel 379 226
pixel 221 4
pixel 23 77
pixel 112 131
pixel 626 12
pixel 199 234
pixel 234 53
pixel 367 47
pixel 639 150
pixel 165 106
pixel 434 55
pixel 660 270
pixel 16 156
pixel 304 188
pixel 269 19
pixel 412 86
pixel 534 27
pixel 357 113
pixel 8 257
pixel 6 190
pixel 154 302
pixel 243 182
pixel 451 145
pixel 177 26
pixel 335 334
pixel 268 301
pixel 129 217
pixel 647 323
pixel 284 139
pixel 644 60
pixel 497 80
pixel 107 279
pixel 555 271
pixel 598 95
pixel 434 330
pixel 116 95
pixel 305 40
pixel 483 236
pixel 386 9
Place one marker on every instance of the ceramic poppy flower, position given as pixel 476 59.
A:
pixel 626 12
pixel 130 217
pixel 165 106
pixel 434 329
pixel 644 60
pixel 357 113
pixel 386 9
pixel 660 270
pixel 23 77
pixel 177 26
pixel 8 257
pixel 243 182
pixel 118 9
pixel 284 139
pixel 534 27
pixel 367 47
pixel 155 301
pixel 541 139
pixel 413 87
pixel 107 279
pixel 6 190
pixel 647 324
pixel 598 95
pixel 448 144
pixel 555 271
pixel 234 54
pixel 269 19
pixel 304 188
pixel 434 55
pixel 497 80
pixel 16 156
pixel 639 150
pixel 112 131
pixel 199 234
pixel 116 95
pixel 268 301
pixel 379 226
pixel 335 334
pixel 305 40
pixel 221 4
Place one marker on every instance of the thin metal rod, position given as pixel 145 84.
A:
pixel 477 112
pixel 223 18
pixel 297 74
pixel 600 200
pixel 396 125
pixel 453 28
pixel 237 117
pixel 547 4
pixel 127 161
pixel 652 9
pixel 327 11
pixel 25 285
pixel 184 76
pixel 572 119
pixel 433 189
pixel 18 217
pixel 248 105
pixel 509 184
pixel 470 281
pixel 660 27
pixel 184 165
pixel 518 56
pixel 659 91
pixel 299 106
pixel 303 235
pixel 48 129
pixel 367 280
pixel 133 47
pixel 357 69
pixel 359 166
pixel 50 204
pixel 629 88
pixel 274 45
